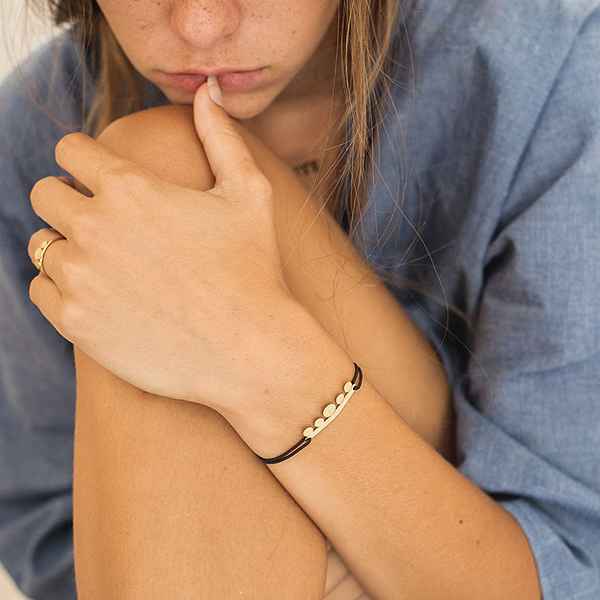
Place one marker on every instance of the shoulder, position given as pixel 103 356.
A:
pixel 466 48
pixel 460 24
pixel 494 134
pixel 477 83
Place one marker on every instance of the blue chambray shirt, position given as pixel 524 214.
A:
pixel 486 195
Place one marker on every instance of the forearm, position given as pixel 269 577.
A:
pixel 324 272
pixel 404 520
pixel 329 277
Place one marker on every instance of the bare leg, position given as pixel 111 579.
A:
pixel 169 503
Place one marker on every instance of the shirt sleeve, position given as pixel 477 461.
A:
pixel 528 409
pixel 37 373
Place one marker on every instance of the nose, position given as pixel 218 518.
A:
pixel 202 23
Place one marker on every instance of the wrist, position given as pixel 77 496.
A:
pixel 304 371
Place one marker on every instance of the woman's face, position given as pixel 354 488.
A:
pixel 271 42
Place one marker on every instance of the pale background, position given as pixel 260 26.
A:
pixel 19 38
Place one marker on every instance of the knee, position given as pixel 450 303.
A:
pixel 163 140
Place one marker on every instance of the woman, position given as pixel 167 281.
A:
pixel 470 187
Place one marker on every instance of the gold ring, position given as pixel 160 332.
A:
pixel 39 254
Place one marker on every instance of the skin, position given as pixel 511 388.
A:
pixel 298 57
pixel 292 109
pixel 293 39
pixel 226 26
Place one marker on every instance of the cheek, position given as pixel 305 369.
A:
pixel 296 27
pixel 133 23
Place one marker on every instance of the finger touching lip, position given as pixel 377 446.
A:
pixel 231 81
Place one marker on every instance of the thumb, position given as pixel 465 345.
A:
pixel 214 90
pixel 228 155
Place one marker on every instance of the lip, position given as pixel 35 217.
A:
pixel 229 81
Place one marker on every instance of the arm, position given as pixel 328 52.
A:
pixel 169 503
pixel 113 454
pixel 329 277
pixel 325 273
pixel 407 524
pixel 529 442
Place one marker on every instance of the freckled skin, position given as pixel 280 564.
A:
pixel 293 39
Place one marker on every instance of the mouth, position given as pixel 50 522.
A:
pixel 229 81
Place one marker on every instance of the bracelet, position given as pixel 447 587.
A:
pixel 330 412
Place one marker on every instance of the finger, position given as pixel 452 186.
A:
pixel 57 203
pixel 86 159
pixel 68 180
pixel 76 185
pixel 228 155
pixel 54 254
pixel 46 296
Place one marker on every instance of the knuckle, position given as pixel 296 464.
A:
pixel 234 137
pixel 86 229
pixel 71 319
pixel 70 275
pixel 229 130
pixel 38 190
pixel 258 184
pixel 31 246
pixel 120 176
pixel 34 289
pixel 68 141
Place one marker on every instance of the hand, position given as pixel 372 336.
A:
pixel 172 289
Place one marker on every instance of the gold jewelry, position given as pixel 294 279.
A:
pixel 39 254
pixel 330 412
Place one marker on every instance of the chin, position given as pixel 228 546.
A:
pixel 247 105
pixel 243 111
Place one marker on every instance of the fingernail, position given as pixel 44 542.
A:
pixel 214 91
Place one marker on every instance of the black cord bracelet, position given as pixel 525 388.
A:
pixel 330 412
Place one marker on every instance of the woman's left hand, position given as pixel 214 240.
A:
pixel 175 290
